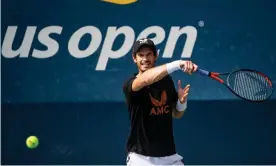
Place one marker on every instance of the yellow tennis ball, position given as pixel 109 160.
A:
pixel 32 142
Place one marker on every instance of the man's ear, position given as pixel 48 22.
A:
pixel 134 58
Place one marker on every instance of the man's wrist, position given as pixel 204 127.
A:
pixel 173 66
pixel 181 107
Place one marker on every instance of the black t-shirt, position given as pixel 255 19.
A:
pixel 150 113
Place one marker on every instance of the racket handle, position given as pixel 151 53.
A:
pixel 203 72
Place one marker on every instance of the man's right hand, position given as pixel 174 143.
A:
pixel 188 66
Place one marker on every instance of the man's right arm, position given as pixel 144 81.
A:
pixel 157 73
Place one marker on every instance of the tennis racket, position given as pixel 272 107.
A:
pixel 247 84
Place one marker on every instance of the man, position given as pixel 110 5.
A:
pixel 152 103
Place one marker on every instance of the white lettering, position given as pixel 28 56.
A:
pixel 159 31
pixel 73 45
pixel 50 43
pixel 24 48
pixel 175 33
pixel 108 53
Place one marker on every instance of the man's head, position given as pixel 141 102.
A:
pixel 144 54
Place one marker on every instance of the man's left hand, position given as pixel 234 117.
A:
pixel 182 92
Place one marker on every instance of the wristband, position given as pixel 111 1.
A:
pixel 173 66
pixel 181 107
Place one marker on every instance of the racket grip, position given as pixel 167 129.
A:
pixel 203 72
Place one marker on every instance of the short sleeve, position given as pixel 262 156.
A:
pixel 127 89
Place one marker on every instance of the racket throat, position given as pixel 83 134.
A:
pixel 217 78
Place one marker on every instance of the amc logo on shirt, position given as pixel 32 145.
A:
pixel 160 106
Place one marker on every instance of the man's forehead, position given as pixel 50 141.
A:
pixel 144 50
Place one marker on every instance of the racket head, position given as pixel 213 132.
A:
pixel 250 85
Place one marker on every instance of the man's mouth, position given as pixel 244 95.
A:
pixel 145 64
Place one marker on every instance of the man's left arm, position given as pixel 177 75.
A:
pixel 178 113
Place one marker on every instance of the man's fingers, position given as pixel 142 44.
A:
pixel 184 97
pixel 190 67
pixel 195 67
pixel 179 84
pixel 186 89
pixel 185 67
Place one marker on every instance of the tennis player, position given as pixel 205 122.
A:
pixel 152 103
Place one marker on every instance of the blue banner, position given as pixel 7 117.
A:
pixel 70 50
pixel 64 63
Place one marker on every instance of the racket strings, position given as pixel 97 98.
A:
pixel 250 85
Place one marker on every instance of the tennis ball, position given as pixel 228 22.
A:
pixel 32 142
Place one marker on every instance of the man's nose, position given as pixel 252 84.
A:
pixel 145 57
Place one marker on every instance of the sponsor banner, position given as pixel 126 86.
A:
pixel 69 51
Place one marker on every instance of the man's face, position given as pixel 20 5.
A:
pixel 145 59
